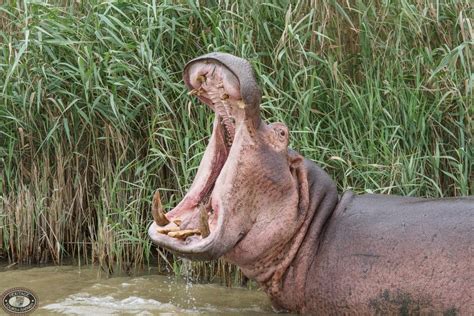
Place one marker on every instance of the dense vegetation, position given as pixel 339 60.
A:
pixel 94 115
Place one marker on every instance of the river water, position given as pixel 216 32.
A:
pixel 82 291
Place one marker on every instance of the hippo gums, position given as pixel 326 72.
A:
pixel 278 217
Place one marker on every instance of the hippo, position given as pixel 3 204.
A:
pixel 279 217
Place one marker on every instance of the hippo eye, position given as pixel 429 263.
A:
pixel 281 134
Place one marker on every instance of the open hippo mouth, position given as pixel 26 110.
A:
pixel 195 226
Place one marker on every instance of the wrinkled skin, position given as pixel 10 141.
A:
pixel 278 217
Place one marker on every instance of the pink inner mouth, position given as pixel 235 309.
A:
pixel 196 216
pixel 187 213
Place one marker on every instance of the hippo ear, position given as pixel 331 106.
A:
pixel 298 170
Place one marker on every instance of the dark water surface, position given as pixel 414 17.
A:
pixel 82 291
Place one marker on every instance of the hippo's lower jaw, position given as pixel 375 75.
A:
pixel 194 226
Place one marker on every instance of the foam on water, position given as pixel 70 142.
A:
pixel 86 304
pixel 69 290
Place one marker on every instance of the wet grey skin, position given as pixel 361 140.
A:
pixel 278 216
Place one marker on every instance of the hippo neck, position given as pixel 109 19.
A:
pixel 282 276
pixel 287 287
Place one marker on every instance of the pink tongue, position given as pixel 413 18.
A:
pixel 190 220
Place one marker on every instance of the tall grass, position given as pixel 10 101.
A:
pixel 94 115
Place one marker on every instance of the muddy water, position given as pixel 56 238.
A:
pixel 81 291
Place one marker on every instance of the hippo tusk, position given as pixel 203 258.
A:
pixel 182 234
pixel 203 221
pixel 166 230
pixel 157 211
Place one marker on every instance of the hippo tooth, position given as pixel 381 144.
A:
pixel 182 234
pixel 199 91
pixel 201 79
pixel 177 222
pixel 224 96
pixel 203 221
pixel 166 230
pixel 241 104
pixel 157 211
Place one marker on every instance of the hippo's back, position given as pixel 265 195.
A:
pixel 383 254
